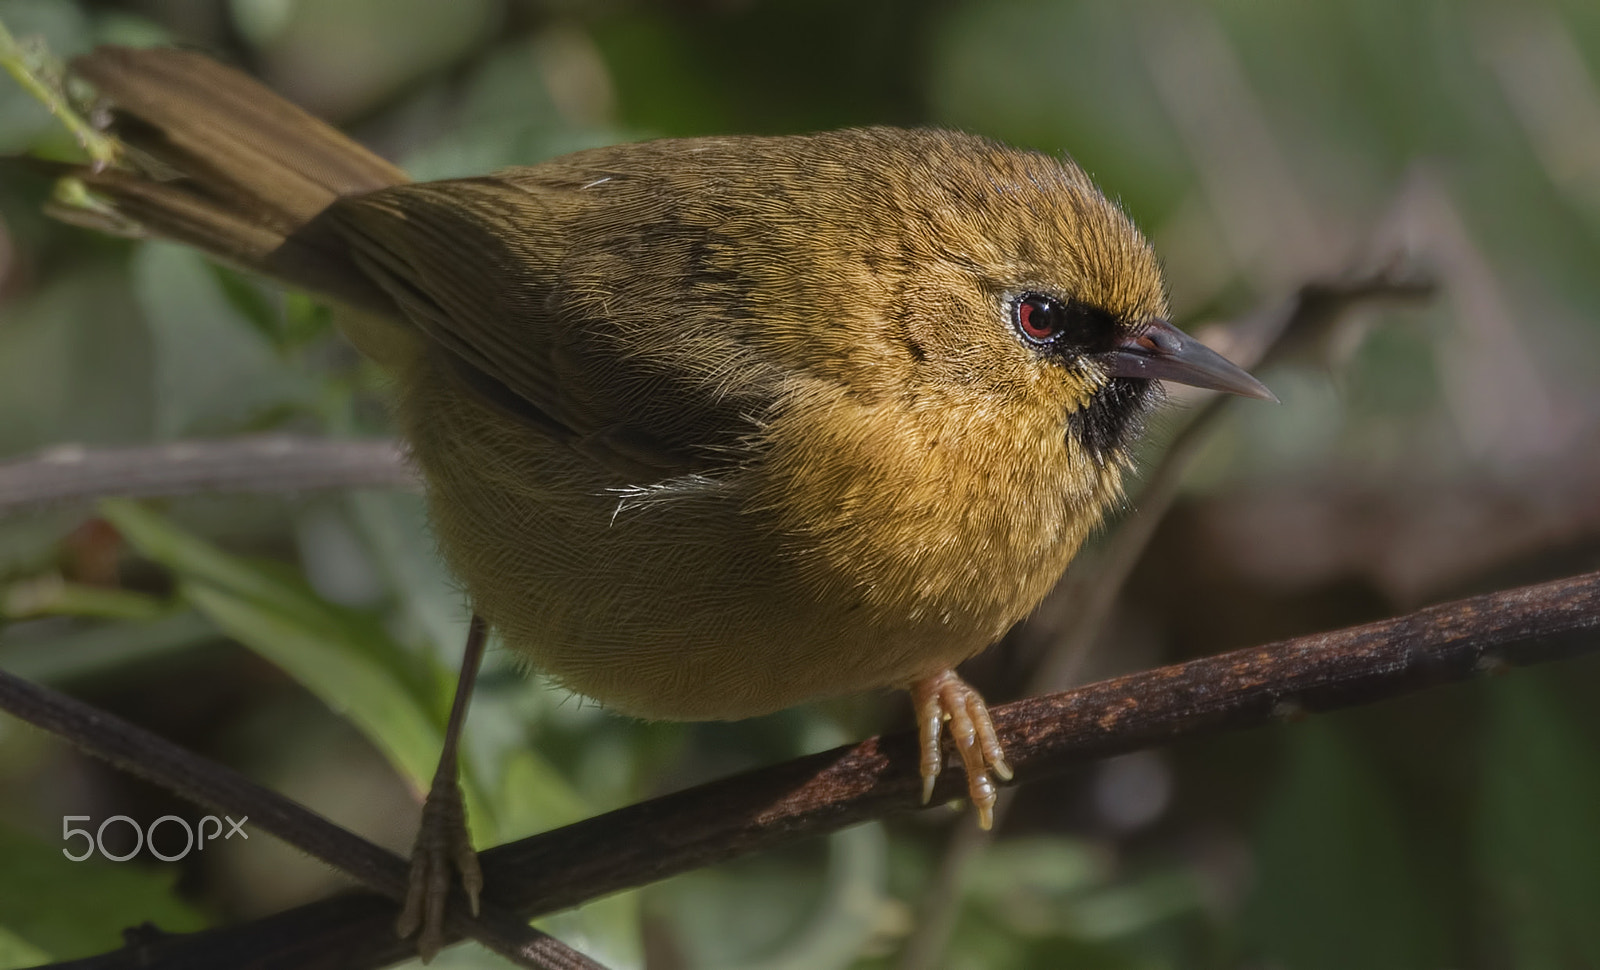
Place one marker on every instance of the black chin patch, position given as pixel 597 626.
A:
pixel 1113 418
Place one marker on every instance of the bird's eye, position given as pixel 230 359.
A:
pixel 1064 327
pixel 1040 318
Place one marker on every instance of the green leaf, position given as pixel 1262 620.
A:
pixel 1335 885
pixel 341 655
pixel 17 953
pixel 45 31
pixel 250 301
pixel 1538 844
pixel 51 595
pixel 69 909
pixel 214 370
pixel 73 366
pixel 530 794
pixel 102 647
pixel 607 929
pixel 851 906
pixel 1055 894
pixel 768 913
pixel 1043 866
pixel 305 318
pixel 394 527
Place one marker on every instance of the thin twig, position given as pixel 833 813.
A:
pixel 40 74
pixel 157 760
pixel 256 463
pixel 826 792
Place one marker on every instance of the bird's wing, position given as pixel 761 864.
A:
pixel 525 279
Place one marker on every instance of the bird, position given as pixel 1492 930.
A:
pixel 712 426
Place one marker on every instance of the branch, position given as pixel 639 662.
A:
pixel 257 463
pixel 825 792
pixel 157 760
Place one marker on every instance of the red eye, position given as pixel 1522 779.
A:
pixel 1039 317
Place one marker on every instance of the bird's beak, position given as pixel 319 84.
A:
pixel 1160 351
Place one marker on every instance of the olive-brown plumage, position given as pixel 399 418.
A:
pixel 761 428
pixel 712 426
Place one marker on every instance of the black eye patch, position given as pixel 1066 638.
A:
pixel 1063 326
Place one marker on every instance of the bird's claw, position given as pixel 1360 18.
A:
pixel 945 696
pixel 443 844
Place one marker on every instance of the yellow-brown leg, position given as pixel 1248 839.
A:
pixel 945 696
pixel 442 842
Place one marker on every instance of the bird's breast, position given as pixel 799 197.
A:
pixel 945 519
pixel 858 544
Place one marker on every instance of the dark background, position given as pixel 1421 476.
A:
pixel 1425 453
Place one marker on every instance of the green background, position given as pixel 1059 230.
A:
pixel 1427 453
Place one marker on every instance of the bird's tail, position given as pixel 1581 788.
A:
pixel 216 160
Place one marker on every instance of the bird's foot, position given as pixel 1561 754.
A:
pixel 442 844
pixel 945 696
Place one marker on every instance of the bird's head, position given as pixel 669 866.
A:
pixel 1029 284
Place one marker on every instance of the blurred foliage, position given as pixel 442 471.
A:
pixel 61 910
pixel 311 640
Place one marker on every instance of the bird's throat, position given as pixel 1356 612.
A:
pixel 1114 417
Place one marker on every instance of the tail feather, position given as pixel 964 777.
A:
pixel 224 164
